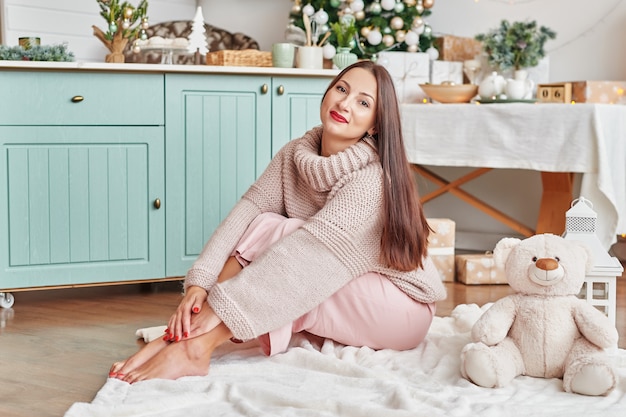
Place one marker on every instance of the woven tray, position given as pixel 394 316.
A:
pixel 244 58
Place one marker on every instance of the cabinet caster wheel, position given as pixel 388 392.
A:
pixel 6 300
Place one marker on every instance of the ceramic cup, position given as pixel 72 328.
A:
pixel 310 57
pixel 283 54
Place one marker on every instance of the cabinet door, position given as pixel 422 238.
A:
pixel 218 140
pixel 77 205
pixel 295 107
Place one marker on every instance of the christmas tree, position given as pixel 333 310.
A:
pixel 383 25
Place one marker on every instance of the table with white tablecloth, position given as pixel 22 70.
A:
pixel 557 140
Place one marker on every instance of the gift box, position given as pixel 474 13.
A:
pixel 441 247
pixel 607 92
pixel 479 269
pixel 408 70
pixel 446 71
pixel 455 48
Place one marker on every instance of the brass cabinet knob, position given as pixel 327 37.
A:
pixel 264 89
pixel 157 203
pixel 77 99
pixel 280 90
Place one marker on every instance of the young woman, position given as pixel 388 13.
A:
pixel 331 239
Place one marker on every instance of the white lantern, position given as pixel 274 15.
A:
pixel 599 288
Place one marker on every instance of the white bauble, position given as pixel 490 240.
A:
pixel 417 22
pixel 388 4
pixel 328 51
pixel 399 7
pixel 308 10
pixel 433 53
pixel 412 48
pixel 419 30
pixel 411 38
pixel 357 5
pixel 374 37
pixel 321 17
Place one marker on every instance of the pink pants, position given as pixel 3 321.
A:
pixel 368 311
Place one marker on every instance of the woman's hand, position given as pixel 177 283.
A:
pixel 179 325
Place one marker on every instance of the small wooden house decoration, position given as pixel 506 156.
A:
pixel 600 284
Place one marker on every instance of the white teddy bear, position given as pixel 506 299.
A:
pixel 542 330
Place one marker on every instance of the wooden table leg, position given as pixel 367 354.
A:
pixel 451 187
pixel 555 201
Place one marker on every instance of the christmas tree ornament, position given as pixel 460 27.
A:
pixel 374 37
pixel 433 53
pixel 411 38
pixel 410 3
pixel 308 10
pixel 388 40
pixel 335 3
pixel 400 36
pixel 321 17
pixel 375 8
pixel 396 23
pixel 113 27
pixel 125 24
pixel 357 6
pixel 360 15
pixel 328 51
pixel 399 7
pixel 365 30
pixel 388 4
pixel 428 4
pixel 412 48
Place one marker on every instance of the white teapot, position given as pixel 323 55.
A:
pixel 492 86
pixel 519 87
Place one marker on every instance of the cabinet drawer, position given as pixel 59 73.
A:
pixel 74 98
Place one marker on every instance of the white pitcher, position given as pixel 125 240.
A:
pixel 492 86
pixel 519 87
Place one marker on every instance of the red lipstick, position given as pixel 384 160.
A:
pixel 336 116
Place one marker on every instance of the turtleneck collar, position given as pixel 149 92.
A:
pixel 322 172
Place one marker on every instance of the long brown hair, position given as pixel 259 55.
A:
pixel 404 241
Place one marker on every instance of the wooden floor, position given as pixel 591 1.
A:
pixel 56 346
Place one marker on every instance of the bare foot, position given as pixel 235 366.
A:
pixel 120 369
pixel 190 357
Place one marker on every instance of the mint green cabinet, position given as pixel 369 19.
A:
pixel 122 176
pixel 222 131
pixel 79 191
pixel 295 107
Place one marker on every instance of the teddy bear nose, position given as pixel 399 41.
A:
pixel 547 264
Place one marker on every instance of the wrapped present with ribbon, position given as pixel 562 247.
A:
pixel 441 246
pixel 479 268
pixel 446 71
pixel 408 70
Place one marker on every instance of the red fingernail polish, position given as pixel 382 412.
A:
pixel 196 309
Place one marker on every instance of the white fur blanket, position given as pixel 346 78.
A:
pixel 327 379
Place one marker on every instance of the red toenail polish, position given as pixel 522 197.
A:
pixel 177 338
pixel 196 309
pixel 167 331
pixel 185 335
pixel 166 337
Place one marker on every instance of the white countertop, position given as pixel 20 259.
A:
pixel 161 68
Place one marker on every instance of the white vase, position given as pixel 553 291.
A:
pixel 344 58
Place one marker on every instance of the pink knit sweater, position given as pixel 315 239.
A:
pixel 340 197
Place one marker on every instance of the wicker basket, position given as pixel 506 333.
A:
pixel 244 58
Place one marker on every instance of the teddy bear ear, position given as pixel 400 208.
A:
pixel 503 249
